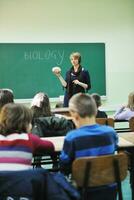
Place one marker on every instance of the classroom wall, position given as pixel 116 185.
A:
pixel 109 21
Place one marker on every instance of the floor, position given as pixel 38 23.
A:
pixel 126 189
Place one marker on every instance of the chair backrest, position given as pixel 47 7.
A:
pixel 102 170
pixel 105 121
pixel 131 124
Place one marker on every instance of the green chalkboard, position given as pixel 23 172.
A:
pixel 27 68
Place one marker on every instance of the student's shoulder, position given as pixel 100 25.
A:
pixel 71 135
pixel 33 137
pixel 107 128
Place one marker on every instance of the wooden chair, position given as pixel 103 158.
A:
pixel 131 124
pixel 98 171
pixel 105 121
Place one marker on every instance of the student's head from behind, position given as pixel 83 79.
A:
pixel 82 108
pixel 97 99
pixel 15 118
pixel 75 58
pixel 6 96
pixel 40 105
pixel 131 101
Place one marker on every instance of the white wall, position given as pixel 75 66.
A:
pixel 109 21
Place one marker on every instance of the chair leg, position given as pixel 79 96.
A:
pixel 132 173
pixel 86 181
pixel 117 178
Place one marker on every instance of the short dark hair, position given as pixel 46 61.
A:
pixel 6 96
pixel 83 104
pixel 97 99
pixel 14 118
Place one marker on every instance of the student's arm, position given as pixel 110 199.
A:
pixel 120 114
pixel 40 145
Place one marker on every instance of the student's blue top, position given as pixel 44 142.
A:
pixel 90 140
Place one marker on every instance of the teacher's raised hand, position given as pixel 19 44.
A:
pixel 56 70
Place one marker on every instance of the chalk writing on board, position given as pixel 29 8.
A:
pixel 56 55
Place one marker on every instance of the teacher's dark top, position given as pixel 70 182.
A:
pixel 81 75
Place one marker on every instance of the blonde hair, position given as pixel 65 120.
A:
pixel 76 55
pixel 131 101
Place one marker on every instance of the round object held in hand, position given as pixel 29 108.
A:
pixel 56 70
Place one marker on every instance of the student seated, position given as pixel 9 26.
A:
pixel 6 96
pixel 97 98
pixel 17 144
pixel 89 139
pixel 40 105
pixel 126 112
pixel 45 124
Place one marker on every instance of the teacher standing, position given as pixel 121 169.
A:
pixel 77 78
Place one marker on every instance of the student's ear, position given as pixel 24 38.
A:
pixel 75 117
pixel 73 114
